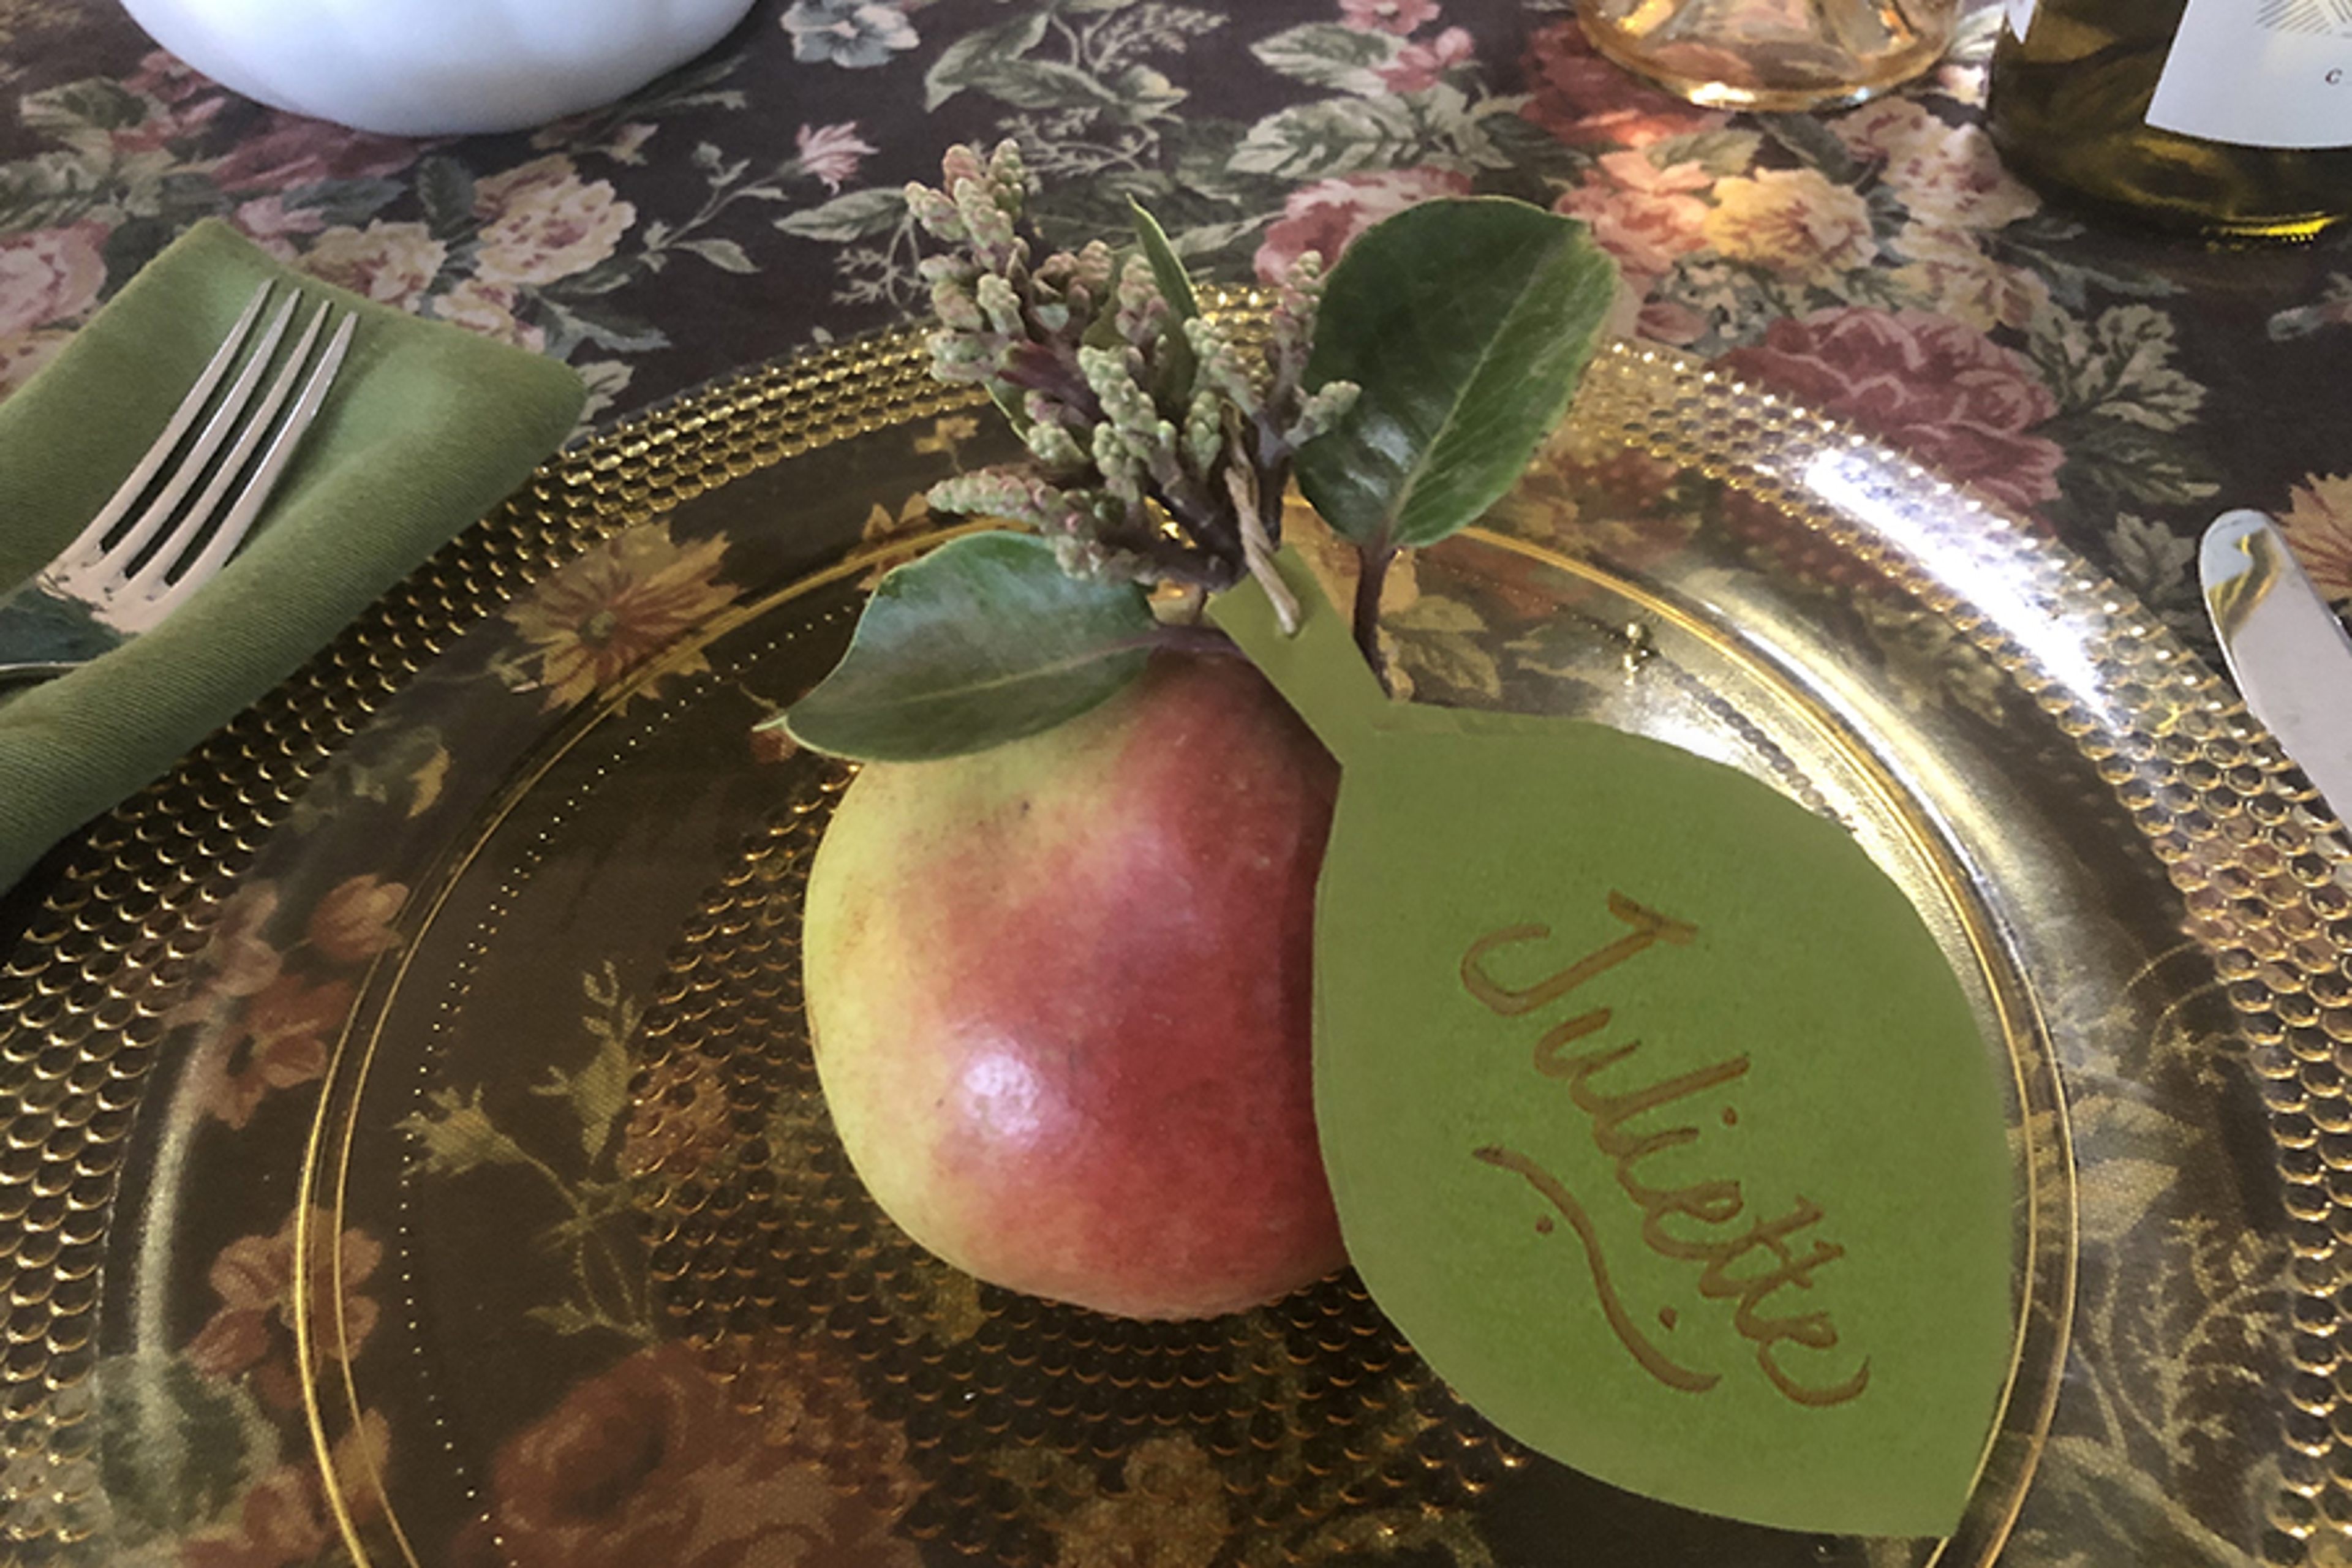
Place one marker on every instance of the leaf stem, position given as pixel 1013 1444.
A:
pixel 1372 576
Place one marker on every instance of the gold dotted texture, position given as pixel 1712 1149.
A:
pixel 2258 862
pixel 85 991
pixel 1012 1411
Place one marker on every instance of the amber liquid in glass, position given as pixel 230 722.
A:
pixel 1777 54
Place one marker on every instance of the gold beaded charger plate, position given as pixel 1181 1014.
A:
pixel 412 1153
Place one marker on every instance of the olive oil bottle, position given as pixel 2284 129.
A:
pixel 2229 119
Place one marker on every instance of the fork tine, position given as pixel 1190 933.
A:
pixel 158 520
pixel 90 543
pixel 203 556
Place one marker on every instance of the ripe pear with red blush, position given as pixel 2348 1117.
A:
pixel 1061 995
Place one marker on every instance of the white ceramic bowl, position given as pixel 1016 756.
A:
pixel 433 67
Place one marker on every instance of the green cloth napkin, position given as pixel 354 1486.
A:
pixel 428 428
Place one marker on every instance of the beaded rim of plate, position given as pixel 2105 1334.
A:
pixel 2264 872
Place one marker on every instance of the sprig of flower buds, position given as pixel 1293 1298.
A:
pixel 1151 436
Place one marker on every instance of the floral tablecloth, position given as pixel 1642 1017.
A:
pixel 2118 388
pixel 2115 388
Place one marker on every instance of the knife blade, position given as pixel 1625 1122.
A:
pixel 2285 645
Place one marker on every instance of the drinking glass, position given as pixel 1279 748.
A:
pixel 1772 54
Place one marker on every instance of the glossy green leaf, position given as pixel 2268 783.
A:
pixel 1467 323
pixel 1176 287
pixel 1167 267
pixel 981 641
pixel 1657 1119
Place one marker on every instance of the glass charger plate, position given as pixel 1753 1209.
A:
pixel 412 1154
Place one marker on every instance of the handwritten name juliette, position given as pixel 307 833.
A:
pixel 1747 1266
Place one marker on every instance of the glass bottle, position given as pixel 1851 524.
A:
pixel 2229 119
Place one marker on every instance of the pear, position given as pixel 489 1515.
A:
pixel 1061 998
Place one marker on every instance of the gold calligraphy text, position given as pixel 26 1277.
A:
pixel 1746 1269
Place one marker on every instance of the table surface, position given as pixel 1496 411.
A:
pixel 2115 388
pixel 2118 388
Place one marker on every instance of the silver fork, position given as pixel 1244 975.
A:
pixel 152 546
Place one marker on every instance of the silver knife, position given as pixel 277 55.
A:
pixel 2286 647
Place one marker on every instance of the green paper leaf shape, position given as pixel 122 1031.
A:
pixel 1655 1118
pixel 981 641
pixel 1467 322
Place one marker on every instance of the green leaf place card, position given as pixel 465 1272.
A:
pixel 1656 1120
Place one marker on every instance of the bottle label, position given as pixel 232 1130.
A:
pixel 2259 73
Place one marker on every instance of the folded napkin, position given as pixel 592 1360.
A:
pixel 428 428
